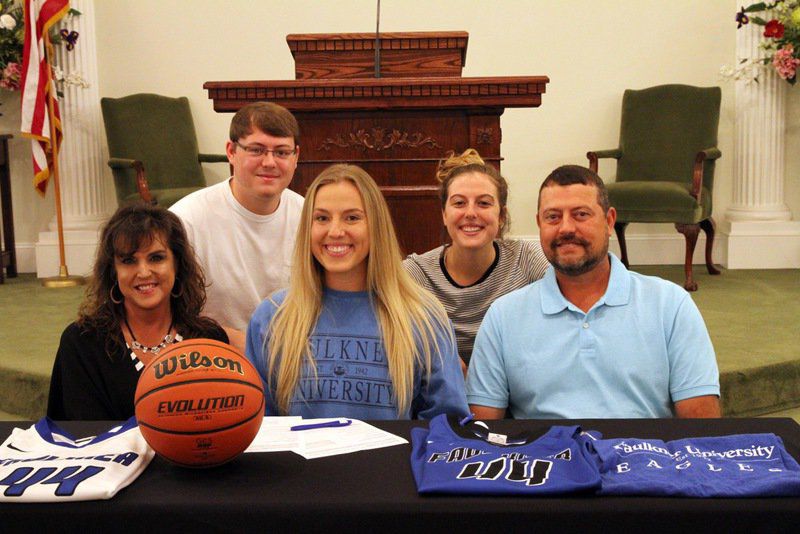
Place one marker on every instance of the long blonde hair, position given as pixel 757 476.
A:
pixel 410 319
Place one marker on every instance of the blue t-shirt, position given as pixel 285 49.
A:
pixel 352 377
pixel 642 347
pixel 744 465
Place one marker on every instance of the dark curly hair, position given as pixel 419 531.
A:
pixel 129 229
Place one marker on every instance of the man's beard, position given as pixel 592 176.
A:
pixel 583 265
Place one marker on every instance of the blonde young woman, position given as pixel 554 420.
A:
pixel 478 266
pixel 353 336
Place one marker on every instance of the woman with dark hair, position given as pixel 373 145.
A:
pixel 145 293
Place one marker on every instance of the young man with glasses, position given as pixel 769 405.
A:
pixel 243 229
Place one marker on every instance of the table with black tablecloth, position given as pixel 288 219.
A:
pixel 374 491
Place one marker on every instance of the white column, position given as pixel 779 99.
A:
pixel 758 222
pixel 86 194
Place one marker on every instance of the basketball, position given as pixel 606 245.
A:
pixel 199 403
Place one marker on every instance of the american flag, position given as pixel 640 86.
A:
pixel 36 83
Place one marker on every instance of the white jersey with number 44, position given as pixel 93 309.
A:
pixel 45 464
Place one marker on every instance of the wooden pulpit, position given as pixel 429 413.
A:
pixel 398 126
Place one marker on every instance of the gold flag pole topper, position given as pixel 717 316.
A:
pixel 64 279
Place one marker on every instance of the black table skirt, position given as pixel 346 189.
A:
pixel 373 491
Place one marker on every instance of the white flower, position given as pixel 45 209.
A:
pixel 746 70
pixel 76 79
pixel 7 22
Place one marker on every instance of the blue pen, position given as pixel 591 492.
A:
pixel 326 424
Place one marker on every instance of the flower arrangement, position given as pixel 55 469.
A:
pixel 12 35
pixel 782 43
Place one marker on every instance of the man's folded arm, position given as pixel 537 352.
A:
pixel 486 412
pixel 705 406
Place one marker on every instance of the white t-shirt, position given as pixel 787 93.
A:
pixel 245 256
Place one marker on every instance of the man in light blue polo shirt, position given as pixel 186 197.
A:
pixel 591 339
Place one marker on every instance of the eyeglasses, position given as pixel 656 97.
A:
pixel 258 151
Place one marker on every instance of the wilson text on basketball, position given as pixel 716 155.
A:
pixel 194 360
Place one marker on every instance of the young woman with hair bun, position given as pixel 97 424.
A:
pixel 478 265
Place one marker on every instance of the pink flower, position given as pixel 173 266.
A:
pixel 10 76
pixel 785 62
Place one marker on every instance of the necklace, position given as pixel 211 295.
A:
pixel 135 345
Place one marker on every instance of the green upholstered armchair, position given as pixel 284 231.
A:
pixel 665 164
pixel 153 148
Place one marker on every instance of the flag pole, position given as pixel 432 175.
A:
pixel 64 279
